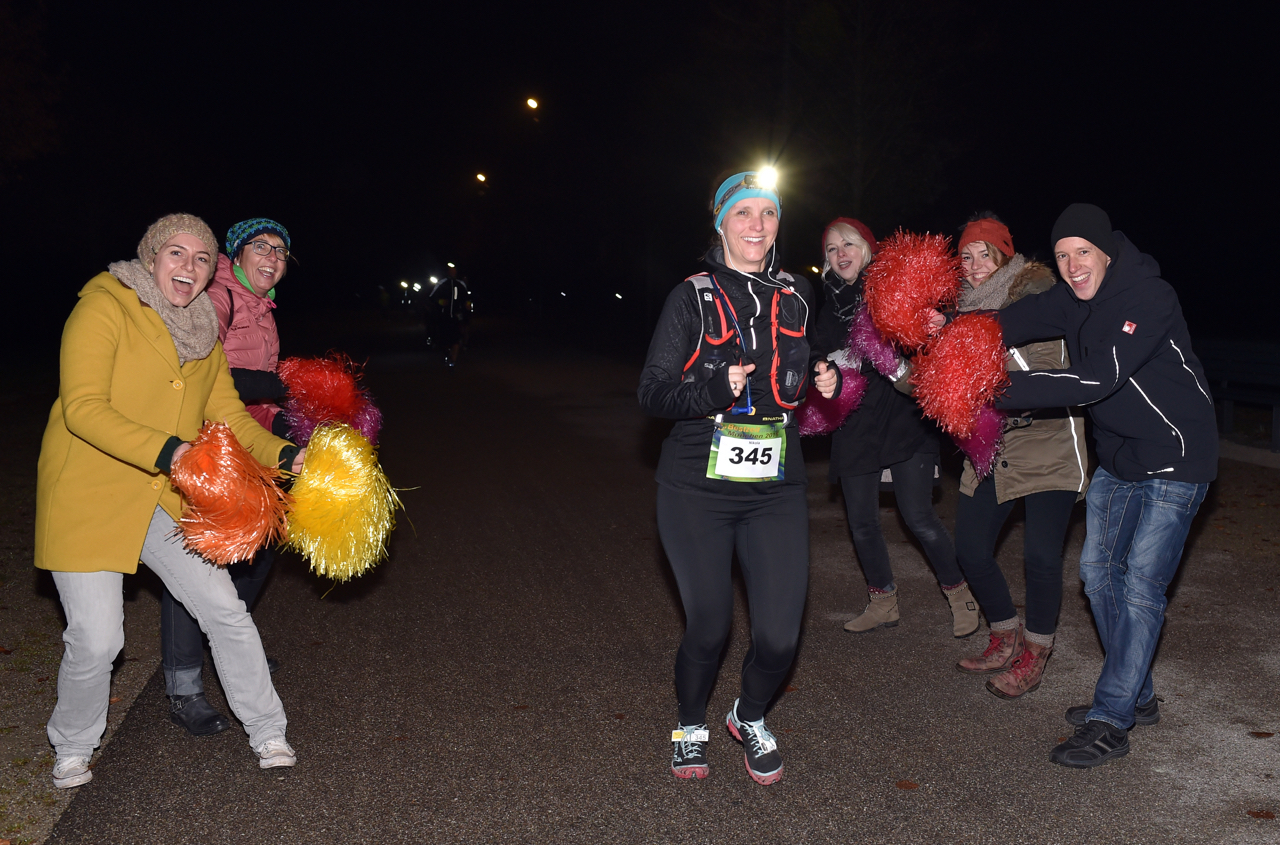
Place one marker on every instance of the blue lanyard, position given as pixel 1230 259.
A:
pixel 742 344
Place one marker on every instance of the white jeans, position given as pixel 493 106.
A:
pixel 94 605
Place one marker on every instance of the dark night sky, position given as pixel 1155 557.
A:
pixel 363 131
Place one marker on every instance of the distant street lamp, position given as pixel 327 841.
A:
pixel 479 177
pixel 533 104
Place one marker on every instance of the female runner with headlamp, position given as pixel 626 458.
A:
pixel 730 360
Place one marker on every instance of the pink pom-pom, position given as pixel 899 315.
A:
pixel 866 340
pixel 819 415
pixel 368 421
pixel 911 276
pixel 983 444
pixel 962 369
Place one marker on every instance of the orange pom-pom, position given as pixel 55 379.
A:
pixel 912 275
pixel 233 507
pixel 961 370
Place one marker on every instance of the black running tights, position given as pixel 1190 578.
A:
pixel 771 537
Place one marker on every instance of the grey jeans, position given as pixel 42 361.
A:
pixel 94 605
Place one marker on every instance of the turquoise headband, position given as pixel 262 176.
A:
pixel 738 187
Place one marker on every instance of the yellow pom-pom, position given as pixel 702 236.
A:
pixel 344 508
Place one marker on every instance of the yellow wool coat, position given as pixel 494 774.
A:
pixel 121 396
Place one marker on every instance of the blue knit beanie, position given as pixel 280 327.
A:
pixel 242 232
pixel 741 186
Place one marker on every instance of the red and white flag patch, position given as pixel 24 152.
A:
pixel 1129 327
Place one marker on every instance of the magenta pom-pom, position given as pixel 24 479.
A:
pixel 819 415
pixel 865 339
pixel 911 277
pixel 368 421
pixel 982 446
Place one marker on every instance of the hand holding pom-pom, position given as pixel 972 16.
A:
pixel 819 415
pixel 960 371
pixel 232 505
pixel 912 276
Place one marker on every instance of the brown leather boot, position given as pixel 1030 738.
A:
pixel 881 612
pixel 1004 647
pixel 964 611
pixel 1023 676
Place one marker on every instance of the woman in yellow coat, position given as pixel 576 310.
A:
pixel 141 369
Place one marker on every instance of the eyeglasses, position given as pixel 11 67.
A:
pixel 264 248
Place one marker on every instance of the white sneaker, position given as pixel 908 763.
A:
pixel 71 771
pixel 275 752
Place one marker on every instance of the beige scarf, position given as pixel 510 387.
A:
pixel 992 293
pixel 194 329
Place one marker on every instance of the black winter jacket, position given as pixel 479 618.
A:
pixel 887 428
pixel 667 391
pixel 1131 366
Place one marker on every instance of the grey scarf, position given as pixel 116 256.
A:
pixel 992 293
pixel 194 329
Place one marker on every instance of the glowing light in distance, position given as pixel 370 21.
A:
pixel 404 285
pixel 815 269
pixel 767 177
pixel 479 177
pixel 532 103
pixel 434 280
pixel 618 295
pixel 449 264
pixel 562 293
pixel 417 286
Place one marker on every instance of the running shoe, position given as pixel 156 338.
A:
pixel 764 763
pixel 689 757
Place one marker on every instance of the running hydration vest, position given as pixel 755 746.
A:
pixel 718 347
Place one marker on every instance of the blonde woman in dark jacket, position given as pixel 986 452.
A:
pixel 1042 462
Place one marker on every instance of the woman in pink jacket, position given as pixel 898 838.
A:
pixel 243 294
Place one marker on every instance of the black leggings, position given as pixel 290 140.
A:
pixel 771 536
pixel 979 519
pixel 913 490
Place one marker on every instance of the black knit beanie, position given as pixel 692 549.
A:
pixel 1082 220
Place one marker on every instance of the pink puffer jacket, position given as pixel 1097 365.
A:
pixel 247 329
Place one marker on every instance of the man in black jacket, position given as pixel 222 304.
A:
pixel 1157 440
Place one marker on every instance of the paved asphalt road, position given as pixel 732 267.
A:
pixel 506 675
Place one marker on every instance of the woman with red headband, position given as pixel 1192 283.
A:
pixel 885 433
pixel 1042 462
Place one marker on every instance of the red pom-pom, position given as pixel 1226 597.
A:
pixel 961 370
pixel 326 390
pixel 233 507
pixel 911 276
pixel 819 415
pixel 983 443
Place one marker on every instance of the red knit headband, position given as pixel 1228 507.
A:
pixel 992 231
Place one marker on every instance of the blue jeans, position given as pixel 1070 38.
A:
pixel 1136 531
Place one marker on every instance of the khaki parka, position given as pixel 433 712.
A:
pixel 1043 449
pixel 121 396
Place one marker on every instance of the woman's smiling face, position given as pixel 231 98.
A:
pixel 182 268
pixel 749 230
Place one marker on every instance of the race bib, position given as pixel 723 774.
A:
pixel 742 452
